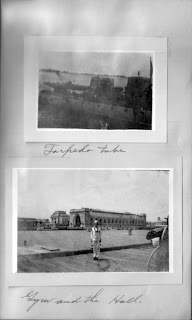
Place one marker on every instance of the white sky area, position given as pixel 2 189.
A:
pixel 110 63
pixel 43 191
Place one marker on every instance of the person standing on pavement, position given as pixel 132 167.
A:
pixel 96 240
pixel 130 231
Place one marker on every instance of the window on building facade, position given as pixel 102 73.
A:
pixel 116 220
pixel 108 220
pixel 104 220
pixel 112 220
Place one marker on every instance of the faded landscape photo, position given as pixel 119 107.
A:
pixel 95 90
pixel 92 220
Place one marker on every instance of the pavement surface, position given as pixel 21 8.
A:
pixel 125 260
pixel 75 240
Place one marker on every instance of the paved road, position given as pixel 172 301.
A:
pixel 127 260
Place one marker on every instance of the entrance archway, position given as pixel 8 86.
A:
pixel 77 221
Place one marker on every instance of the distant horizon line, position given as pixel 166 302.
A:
pixel 86 73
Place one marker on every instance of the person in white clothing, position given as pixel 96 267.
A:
pixel 96 240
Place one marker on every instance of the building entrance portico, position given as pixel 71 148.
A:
pixel 77 221
pixel 78 217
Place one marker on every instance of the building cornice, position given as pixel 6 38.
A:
pixel 105 211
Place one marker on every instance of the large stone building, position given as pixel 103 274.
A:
pixel 85 217
pixel 60 218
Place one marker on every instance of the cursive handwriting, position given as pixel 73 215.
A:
pixel 93 298
pixel 106 149
pixel 53 148
pixel 34 299
pixel 56 149
pixel 78 300
pixel 122 299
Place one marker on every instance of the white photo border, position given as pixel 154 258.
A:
pixel 33 45
pixel 174 276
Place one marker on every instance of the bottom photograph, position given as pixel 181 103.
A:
pixel 92 220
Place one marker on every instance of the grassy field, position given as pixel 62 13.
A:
pixel 78 239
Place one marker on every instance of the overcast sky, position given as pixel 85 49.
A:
pixel 126 64
pixel 41 192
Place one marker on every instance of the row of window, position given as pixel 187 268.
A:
pixel 60 220
pixel 120 221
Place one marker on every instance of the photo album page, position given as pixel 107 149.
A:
pixel 96 159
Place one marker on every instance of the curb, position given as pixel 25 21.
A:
pixel 78 252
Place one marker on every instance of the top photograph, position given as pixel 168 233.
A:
pixel 80 89
pixel 95 90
